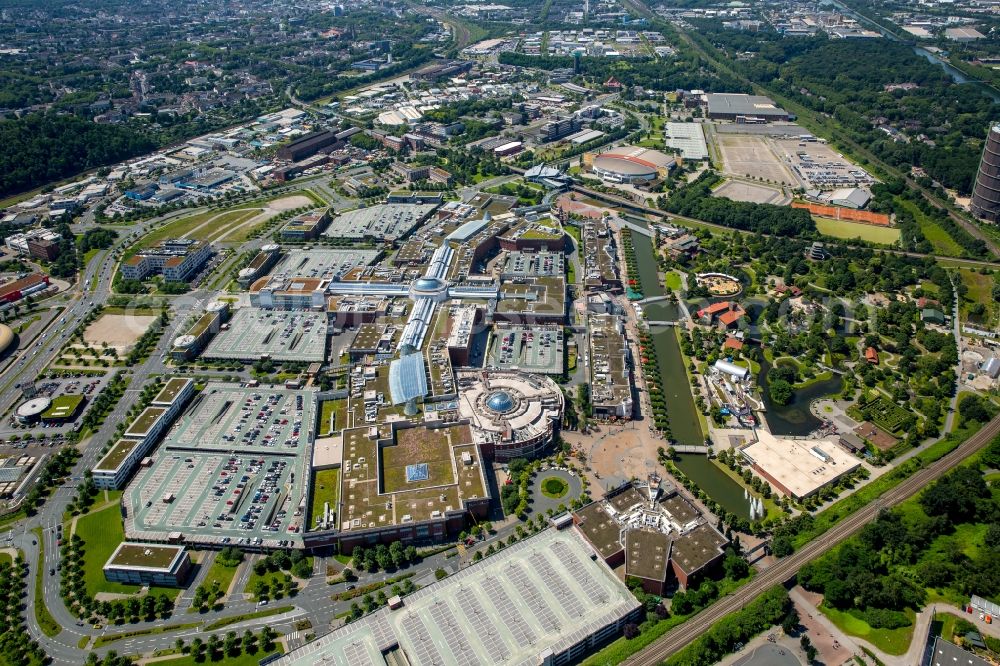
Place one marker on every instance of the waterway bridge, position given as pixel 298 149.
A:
pixel 655 322
pixel 687 448
pixel 636 228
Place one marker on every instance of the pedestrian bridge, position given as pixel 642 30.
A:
pixel 686 448
pixel 636 228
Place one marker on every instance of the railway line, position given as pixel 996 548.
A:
pixel 786 569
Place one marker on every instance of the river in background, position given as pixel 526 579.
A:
pixel 956 74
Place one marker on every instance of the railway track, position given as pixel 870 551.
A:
pixel 786 568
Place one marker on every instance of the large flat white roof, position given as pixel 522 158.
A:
pixel 544 593
pixel 803 466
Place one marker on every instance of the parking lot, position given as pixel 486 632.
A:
pixel 233 470
pixel 85 385
pixel 532 349
pixel 253 334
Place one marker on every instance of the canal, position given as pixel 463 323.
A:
pixel 717 484
pixel 685 425
pixel 795 419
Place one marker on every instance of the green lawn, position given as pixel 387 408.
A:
pixel 890 641
pixel 5 558
pixel 221 573
pixel 673 281
pixel 938 237
pixel 101 532
pixel 979 291
pixel 332 408
pixel 850 230
pixel 326 488
pixel 242 660
pixel 553 487
pixel 187 225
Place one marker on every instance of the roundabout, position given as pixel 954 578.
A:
pixel 569 487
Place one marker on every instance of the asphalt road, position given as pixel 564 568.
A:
pixel 786 568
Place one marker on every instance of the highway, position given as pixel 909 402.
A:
pixel 786 568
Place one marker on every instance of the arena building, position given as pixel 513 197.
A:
pixel 655 532
pixel 630 164
pixel 544 600
pixel 798 468
pixel 512 414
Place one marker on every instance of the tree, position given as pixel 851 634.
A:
pixel 736 567
pixel 780 391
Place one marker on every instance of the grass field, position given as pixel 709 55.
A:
pixel 221 573
pixel 190 225
pixel 890 641
pixel 979 291
pixel 849 230
pixel 673 281
pixel 101 532
pixel 338 410
pixel 937 236
pixel 326 488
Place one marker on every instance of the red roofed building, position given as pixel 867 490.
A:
pixel 871 355
pixel 733 344
pixel 18 289
pixel 725 314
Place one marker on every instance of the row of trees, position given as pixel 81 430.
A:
pixel 73 588
pixel 17 647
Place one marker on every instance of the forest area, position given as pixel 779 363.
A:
pixel 938 126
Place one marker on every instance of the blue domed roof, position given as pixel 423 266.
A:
pixel 500 401
pixel 427 284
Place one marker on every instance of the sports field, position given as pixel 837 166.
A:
pixel 850 230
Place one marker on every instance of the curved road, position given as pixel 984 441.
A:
pixel 786 568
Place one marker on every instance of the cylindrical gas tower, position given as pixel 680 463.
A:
pixel 986 194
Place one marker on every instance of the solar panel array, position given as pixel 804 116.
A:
pixel 557 586
pixel 527 590
pixel 453 635
pixel 482 627
pixel 509 615
pixel 407 378
pixel 595 593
